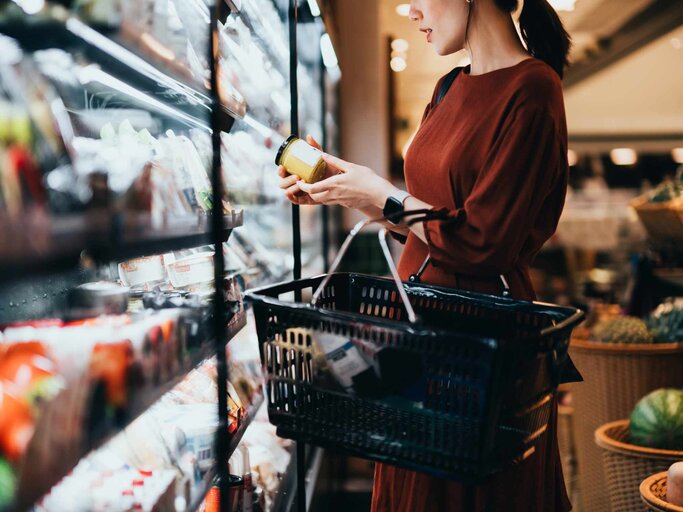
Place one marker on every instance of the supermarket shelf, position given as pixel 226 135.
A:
pixel 234 5
pixel 169 93
pixel 32 489
pixel 236 438
pixel 234 443
pixel 42 245
pixel 254 25
pixel 204 488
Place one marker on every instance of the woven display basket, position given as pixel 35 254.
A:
pixel 615 376
pixel 653 494
pixel 663 221
pixel 626 465
pixel 565 439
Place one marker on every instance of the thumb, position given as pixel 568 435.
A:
pixel 313 142
pixel 336 164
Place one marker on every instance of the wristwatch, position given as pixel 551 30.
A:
pixel 394 207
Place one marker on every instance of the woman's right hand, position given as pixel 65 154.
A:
pixel 290 182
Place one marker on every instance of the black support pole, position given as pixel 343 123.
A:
pixel 219 307
pixel 296 225
pixel 294 96
pixel 324 142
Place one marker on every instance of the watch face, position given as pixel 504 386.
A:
pixel 392 209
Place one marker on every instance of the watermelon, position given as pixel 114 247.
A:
pixel 657 420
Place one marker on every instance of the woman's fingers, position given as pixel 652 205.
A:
pixel 336 163
pixel 313 142
pixel 322 185
pixel 288 181
pixel 282 172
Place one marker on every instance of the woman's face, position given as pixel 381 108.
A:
pixel 443 22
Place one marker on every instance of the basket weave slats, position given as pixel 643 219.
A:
pixel 653 494
pixel 626 465
pixel 615 376
pixel 662 221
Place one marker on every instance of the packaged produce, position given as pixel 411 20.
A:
pixel 657 420
pixel 192 271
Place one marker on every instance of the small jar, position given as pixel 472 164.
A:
pixel 300 158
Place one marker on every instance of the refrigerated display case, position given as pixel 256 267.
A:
pixel 114 320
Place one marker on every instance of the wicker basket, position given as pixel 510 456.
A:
pixel 662 221
pixel 653 494
pixel 626 465
pixel 616 377
pixel 567 446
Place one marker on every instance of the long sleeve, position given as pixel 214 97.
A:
pixel 522 169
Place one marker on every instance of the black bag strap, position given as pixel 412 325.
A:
pixel 446 84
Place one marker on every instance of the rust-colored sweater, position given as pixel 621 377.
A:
pixel 493 153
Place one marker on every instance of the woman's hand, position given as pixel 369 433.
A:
pixel 350 185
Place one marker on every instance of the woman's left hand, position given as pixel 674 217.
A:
pixel 352 186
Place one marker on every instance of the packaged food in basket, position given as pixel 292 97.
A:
pixel 657 420
pixel 674 484
pixel 339 364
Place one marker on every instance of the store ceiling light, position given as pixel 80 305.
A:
pixel 398 64
pixel 403 9
pixel 313 6
pixel 563 5
pixel 623 156
pixel 572 157
pixel 677 155
pixel 400 45
pixel 327 50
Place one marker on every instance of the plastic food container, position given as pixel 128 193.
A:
pixel 143 270
pixel 191 270
pixel 302 159
pixel 99 298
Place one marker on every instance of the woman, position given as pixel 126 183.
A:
pixel 492 155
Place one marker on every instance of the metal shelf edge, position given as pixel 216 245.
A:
pixel 236 438
pixel 48 252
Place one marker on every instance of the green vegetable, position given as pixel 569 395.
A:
pixel 624 329
pixel 8 484
pixel 666 322
pixel 657 420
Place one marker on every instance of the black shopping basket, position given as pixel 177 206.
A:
pixel 488 369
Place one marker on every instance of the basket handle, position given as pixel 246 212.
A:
pixel 412 317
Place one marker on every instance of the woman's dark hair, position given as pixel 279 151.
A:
pixel 542 31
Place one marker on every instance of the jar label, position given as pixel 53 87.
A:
pixel 307 154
